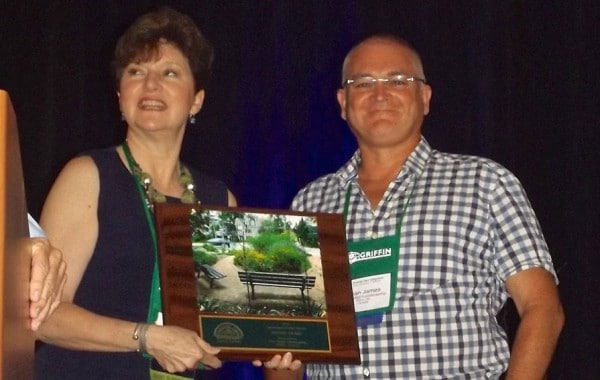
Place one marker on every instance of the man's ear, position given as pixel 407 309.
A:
pixel 426 93
pixel 341 98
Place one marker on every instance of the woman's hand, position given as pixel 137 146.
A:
pixel 177 349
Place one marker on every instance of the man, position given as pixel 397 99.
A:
pixel 48 276
pixel 458 231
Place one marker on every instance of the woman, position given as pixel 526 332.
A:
pixel 98 213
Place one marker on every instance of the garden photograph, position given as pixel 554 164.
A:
pixel 252 263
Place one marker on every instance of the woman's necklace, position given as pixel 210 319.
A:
pixel 152 195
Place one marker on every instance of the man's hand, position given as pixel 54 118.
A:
pixel 282 367
pixel 48 277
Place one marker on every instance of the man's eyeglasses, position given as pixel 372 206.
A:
pixel 396 81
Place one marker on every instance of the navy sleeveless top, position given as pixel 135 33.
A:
pixel 116 282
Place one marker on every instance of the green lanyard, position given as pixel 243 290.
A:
pixel 400 218
pixel 375 261
pixel 155 303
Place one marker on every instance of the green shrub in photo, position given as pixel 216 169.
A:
pixel 251 259
pixel 285 257
pixel 274 252
pixel 205 254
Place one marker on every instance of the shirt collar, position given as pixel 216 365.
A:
pixel 415 164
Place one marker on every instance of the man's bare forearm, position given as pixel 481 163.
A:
pixel 535 343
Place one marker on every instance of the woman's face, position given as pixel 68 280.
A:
pixel 159 94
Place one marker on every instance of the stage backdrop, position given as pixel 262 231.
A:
pixel 515 81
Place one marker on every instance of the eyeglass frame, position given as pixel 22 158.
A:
pixel 387 79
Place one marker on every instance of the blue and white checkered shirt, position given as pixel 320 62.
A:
pixel 468 227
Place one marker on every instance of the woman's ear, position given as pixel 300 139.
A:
pixel 198 101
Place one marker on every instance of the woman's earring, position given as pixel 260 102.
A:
pixel 192 118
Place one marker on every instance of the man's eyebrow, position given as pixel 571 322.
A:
pixel 360 75
pixel 363 74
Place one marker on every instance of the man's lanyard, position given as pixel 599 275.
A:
pixel 374 269
pixel 155 302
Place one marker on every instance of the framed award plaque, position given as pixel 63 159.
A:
pixel 258 282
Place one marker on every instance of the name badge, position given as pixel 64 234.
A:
pixel 371 292
pixel 374 270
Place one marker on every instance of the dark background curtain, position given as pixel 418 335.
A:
pixel 515 81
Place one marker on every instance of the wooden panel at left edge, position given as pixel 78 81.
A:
pixel 16 339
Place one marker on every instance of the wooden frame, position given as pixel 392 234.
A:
pixel 329 335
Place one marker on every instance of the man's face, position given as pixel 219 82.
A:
pixel 384 115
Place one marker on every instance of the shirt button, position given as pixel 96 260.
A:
pixel 366 372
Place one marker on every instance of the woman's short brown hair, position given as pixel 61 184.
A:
pixel 141 40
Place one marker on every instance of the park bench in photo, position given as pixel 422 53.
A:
pixel 209 272
pixel 283 280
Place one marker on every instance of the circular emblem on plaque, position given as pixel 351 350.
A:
pixel 228 332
